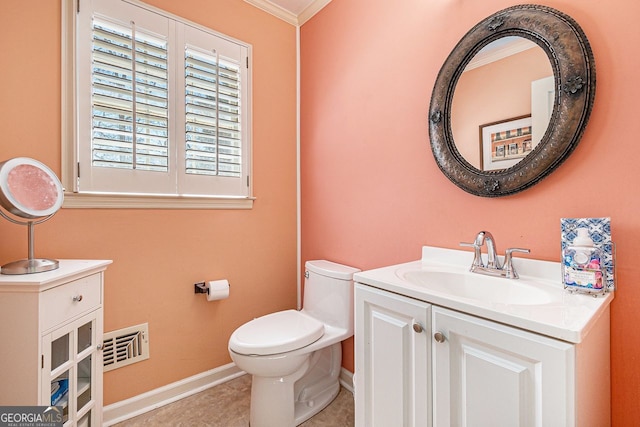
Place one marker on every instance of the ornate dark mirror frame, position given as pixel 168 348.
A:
pixel 573 66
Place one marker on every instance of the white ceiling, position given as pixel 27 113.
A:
pixel 294 6
pixel 296 12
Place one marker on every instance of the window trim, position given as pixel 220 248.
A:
pixel 69 152
pixel 134 201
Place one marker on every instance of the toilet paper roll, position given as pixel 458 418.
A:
pixel 218 289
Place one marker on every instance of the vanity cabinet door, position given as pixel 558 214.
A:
pixel 72 370
pixel 489 374
pixel 392 347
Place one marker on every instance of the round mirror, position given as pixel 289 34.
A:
pixel 512 100
pixel 30 190
pixel 502 103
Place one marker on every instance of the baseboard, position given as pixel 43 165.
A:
pixel 145 402
pixel 153 399
pixel 346 379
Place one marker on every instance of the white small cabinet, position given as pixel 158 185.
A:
pixel 488 374
pixel 51 333
pixel 455 369
pixel 393 346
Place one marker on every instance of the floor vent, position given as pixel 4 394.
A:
pixel 125 346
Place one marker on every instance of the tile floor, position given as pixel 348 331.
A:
pixel 227 405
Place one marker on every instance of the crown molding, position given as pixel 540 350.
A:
pixel 275 10
pixel 287 16
pixel 311 10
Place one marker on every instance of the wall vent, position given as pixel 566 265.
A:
pixel 125 346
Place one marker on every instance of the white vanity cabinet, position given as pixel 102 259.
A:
pixel 456 369
pixel 51 335
pixel 393 345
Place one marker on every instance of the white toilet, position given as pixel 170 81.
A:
pixel 295 357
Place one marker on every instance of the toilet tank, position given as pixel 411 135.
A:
pixel 328 293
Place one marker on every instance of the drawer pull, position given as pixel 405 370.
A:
pixel 77 298
pixel 417 327
pixel 439 337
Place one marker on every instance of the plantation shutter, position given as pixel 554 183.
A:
pixel 215 120
pixel 129 103
pixel 213 134
pixel 162 105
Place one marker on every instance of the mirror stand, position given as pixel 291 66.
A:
pixel 31 264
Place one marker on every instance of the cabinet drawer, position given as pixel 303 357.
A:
pixel 64 302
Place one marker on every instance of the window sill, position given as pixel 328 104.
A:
pixel 135 201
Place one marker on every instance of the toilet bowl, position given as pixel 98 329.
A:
pixel 295 357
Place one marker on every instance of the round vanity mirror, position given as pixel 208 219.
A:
pixel 512 100
pixel 502 103
pixel 29 190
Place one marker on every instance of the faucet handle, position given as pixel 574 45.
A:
pixel 510 272
pixel 477 255
pixel 511 250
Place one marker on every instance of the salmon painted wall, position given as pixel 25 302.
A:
pixel 159 254
pixel 372 194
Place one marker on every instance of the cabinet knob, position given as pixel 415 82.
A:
pixel 100 346
pixel 417 327
pixel 439 337
pixel 77 298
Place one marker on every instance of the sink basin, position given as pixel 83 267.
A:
pixel 535 302
pixel 478 287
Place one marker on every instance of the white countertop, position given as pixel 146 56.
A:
pixel 67 270
pixel 566 316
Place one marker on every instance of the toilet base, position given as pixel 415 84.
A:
pixel 303 411
pixel 291 400
pixel 317 389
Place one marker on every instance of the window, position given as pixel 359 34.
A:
pixel 159 109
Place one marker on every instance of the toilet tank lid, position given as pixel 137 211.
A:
pixel 331 269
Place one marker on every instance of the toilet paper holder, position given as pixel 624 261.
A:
pixel 204 287
pixel 201 288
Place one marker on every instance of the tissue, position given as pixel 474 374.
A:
pixel 218 289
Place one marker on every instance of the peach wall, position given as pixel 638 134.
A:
pixel 372 194
pixel 159 254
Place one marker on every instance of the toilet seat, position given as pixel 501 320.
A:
pixel 276 333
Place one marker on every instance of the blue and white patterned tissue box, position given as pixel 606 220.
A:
pixel 600 233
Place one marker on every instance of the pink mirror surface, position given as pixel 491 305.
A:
pixel 29 189
pixel 32 188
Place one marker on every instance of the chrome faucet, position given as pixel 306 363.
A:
pixel 492 267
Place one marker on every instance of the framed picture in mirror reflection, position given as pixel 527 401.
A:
pixel 505 142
